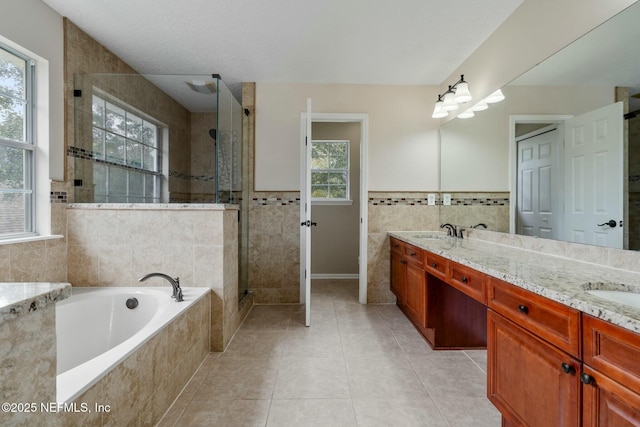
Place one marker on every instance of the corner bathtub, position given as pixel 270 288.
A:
pixel 96 331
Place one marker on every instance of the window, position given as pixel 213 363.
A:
pixel 17 144
pixel 127 150
pixel 330 170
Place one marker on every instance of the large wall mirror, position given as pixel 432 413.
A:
pixel 565 143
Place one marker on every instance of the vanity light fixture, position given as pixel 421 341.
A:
pixel 496 96
pixel 466 114
pixel 438 112
pixel 448 101
pixel 480 106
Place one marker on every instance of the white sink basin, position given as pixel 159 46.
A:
pixel 621 297
pixel 427 236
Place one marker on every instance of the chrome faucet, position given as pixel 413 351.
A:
pixel 451 229
pixel 175 284
pixel 481 224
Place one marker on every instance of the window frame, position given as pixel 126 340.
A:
pixel 334 200
pixel 110 165
pixel 28 146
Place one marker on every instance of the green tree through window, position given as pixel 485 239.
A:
pixel 330 169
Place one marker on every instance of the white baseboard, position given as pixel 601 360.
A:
pixel 334 276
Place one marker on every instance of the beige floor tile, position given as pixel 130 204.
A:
pixel 312 378
pixel 462 411
pixel 356 362
pixel 253 343
pixel 409 412
pixel 309 342
pixel 450 377
pixel 240 379
pixel 311 413
pixel 383 378
pixel 225 413
pixel 370 343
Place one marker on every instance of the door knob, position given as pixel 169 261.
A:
pixel 611 223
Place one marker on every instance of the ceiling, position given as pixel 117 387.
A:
pixel 401 42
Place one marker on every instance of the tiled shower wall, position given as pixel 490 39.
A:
pixel 274 228
pixel 114 245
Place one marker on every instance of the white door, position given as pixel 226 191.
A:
pixel 305 217
pixel 538 202
pixel 594 177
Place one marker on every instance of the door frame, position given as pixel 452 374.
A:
pixel 513 155
pixel 363 120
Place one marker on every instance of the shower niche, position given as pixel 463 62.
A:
pixel 151 138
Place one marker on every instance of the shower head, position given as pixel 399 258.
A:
pixel 212 133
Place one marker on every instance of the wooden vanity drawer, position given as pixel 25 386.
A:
pixel 550 320
pixel 612 350
pixel 469 281
pixel 397 246
pixel 436 265
pixel 413 255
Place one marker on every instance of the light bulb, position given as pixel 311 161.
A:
pixel 449 104
pixel 466 114
pixel 462 93
pixel 438 112
pixel 496 96
pixel 480 106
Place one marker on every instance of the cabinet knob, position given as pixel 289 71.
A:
pixel 464 279
pixel 434 265
pixel 568 369
pixel 587 379
pixel 412 254
pixel 403 261
pixel 523 309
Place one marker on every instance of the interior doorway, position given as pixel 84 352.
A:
pixel 329 124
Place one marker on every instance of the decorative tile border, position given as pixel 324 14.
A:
pixel 81 153
pixel 422 201
pixel 58 197
pixel 181 175
pixel 634 178
pixel 275 201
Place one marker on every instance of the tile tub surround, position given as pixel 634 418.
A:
pixel 141 388
pixel 28 345
pixel 115 244
pixel 559 278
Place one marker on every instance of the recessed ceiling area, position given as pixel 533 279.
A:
pixel 404 42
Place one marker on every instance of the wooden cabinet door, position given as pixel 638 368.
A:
pixel 398 277
pixel 606 403
pixel 526 377
pixel 415 294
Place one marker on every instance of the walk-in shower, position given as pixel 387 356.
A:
pixel 158 139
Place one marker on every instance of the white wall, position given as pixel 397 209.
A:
pixel 403 138
pixel 475 152
pixel 38 28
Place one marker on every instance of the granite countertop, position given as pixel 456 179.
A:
pixel 18 299
pixel 560 279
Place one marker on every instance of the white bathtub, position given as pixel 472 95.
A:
pixel 96 331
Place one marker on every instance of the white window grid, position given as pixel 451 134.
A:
pixel 345 171
pixel 18 217
pixel 125 176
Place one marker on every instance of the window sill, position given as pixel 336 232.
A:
pixel 332 202
pixel 32 238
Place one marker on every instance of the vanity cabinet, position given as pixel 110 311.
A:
pixel 531 382
pixel 446 301
pixel 534 366
pixel 408 280
pixel 469 281
pixel 611 375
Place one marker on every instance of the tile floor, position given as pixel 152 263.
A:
pixel 357 365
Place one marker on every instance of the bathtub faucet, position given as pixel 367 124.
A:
pixel 175 284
